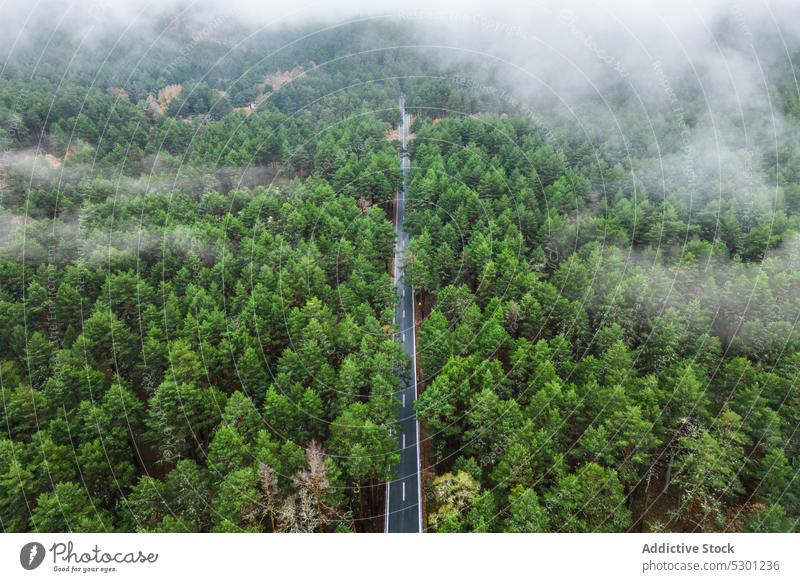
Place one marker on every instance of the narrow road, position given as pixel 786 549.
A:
pixel 403 508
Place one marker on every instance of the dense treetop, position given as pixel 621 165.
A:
pixel 196 298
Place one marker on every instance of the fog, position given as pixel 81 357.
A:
pixel 563 50
pixel 688 85
pixel 571 54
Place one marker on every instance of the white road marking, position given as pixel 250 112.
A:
pixel 386 519
pixel 400 243
pixel 404 440
pixel 404 312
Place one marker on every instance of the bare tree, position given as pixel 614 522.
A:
pixel 269 483
pixel 309 517
pixel 313 483
pixel 306 510
pixel 288 520
pixel 298 514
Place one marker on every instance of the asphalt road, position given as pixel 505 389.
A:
pixel 404 512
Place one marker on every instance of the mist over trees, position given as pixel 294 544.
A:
pixel 196 300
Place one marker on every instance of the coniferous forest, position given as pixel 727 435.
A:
pixel 197 241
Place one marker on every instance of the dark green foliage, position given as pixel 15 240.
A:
pixel 595 387
pixel 196 304
pixel 156 381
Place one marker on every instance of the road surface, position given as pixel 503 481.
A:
pixel 404 512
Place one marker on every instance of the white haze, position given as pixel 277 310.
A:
pixel 567 62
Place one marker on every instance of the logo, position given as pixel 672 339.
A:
pixel 31 555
